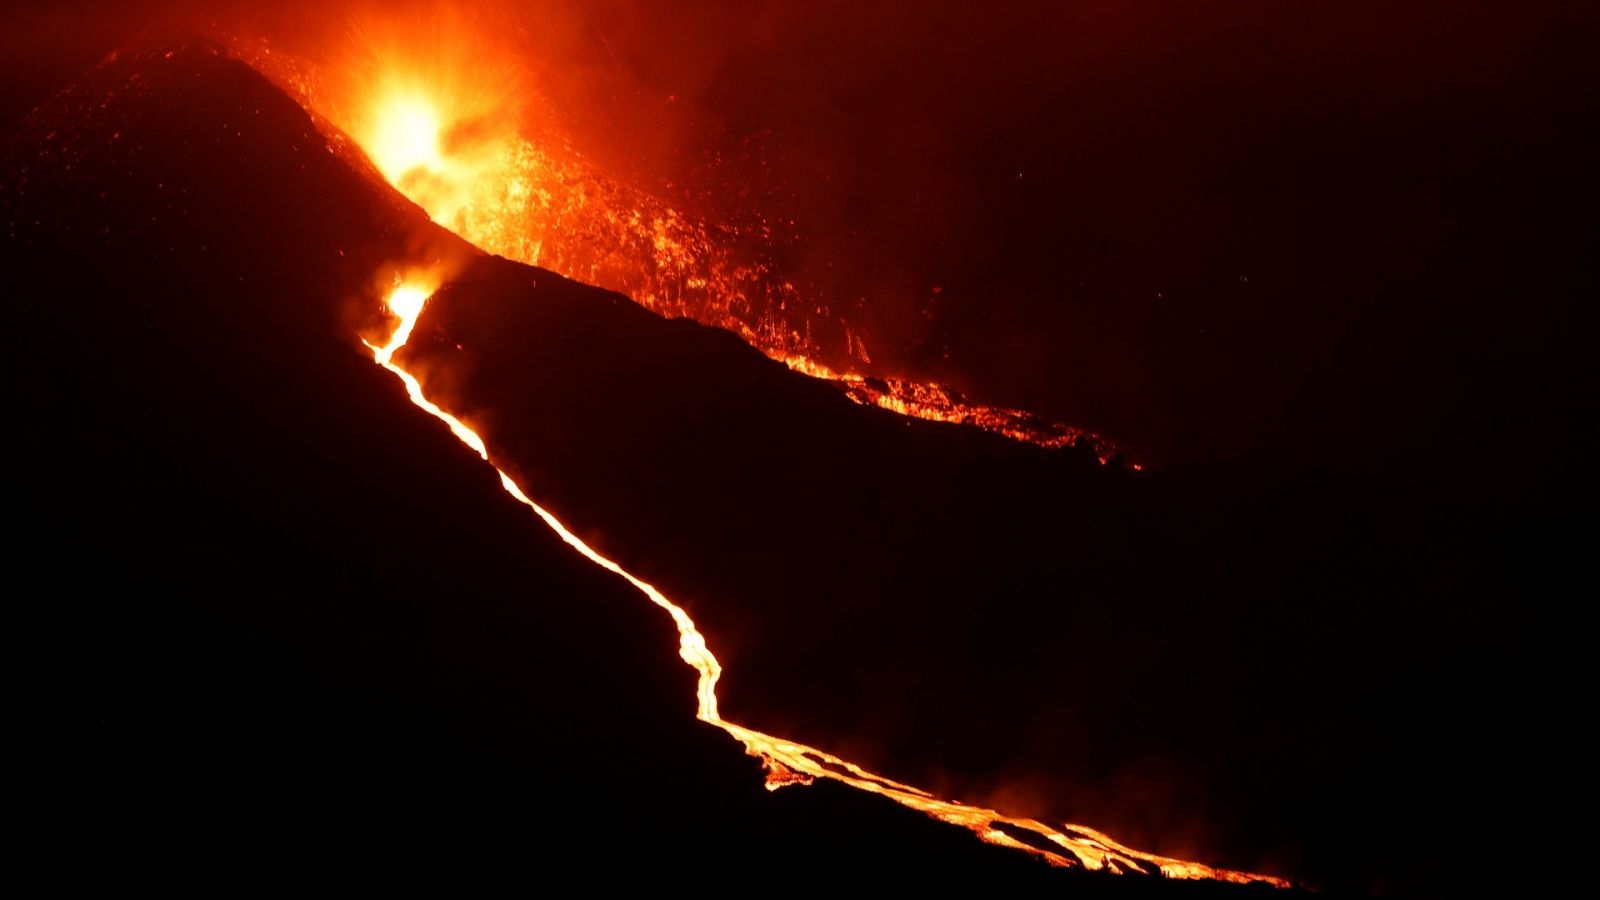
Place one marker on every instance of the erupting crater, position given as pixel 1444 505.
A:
pixel 443 131
pixel 450 144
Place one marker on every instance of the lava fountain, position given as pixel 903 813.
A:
pixel 438 118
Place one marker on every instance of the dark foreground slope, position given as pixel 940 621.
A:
pixel 1257 665
pixel 298 606
pixel 292 621
pixel 1260 666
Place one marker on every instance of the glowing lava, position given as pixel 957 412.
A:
pixel 510 198
pixel 787 762
pixel 542 204
pixel 407 140
pixel 436 108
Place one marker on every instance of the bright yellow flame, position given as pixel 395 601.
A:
pixel 406 137
pixel 433 99
pixel 445 166
pixel 405 301
pixel 787 762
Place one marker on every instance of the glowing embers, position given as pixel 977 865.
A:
pixel 441 121
pixel 937 403
pixel 787 762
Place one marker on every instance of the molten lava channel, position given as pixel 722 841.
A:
pixel 787 762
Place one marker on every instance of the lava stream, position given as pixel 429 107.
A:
pixel 788 762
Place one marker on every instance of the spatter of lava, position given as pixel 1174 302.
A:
pixel 444 133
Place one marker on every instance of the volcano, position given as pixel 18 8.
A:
pixel 303 616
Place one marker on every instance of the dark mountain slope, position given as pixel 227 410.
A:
pixel 1258 664
pixel 291 624
pixel 297 605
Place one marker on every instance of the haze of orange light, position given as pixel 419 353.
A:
pixel 788 762
pixel 400 73
pixel 473 172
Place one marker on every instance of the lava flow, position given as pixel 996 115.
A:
pixel 787 762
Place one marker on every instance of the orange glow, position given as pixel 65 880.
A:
pixel 787 762
pixel 435 115
pixel 937 403
pixel 436 107
pixel 407 138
